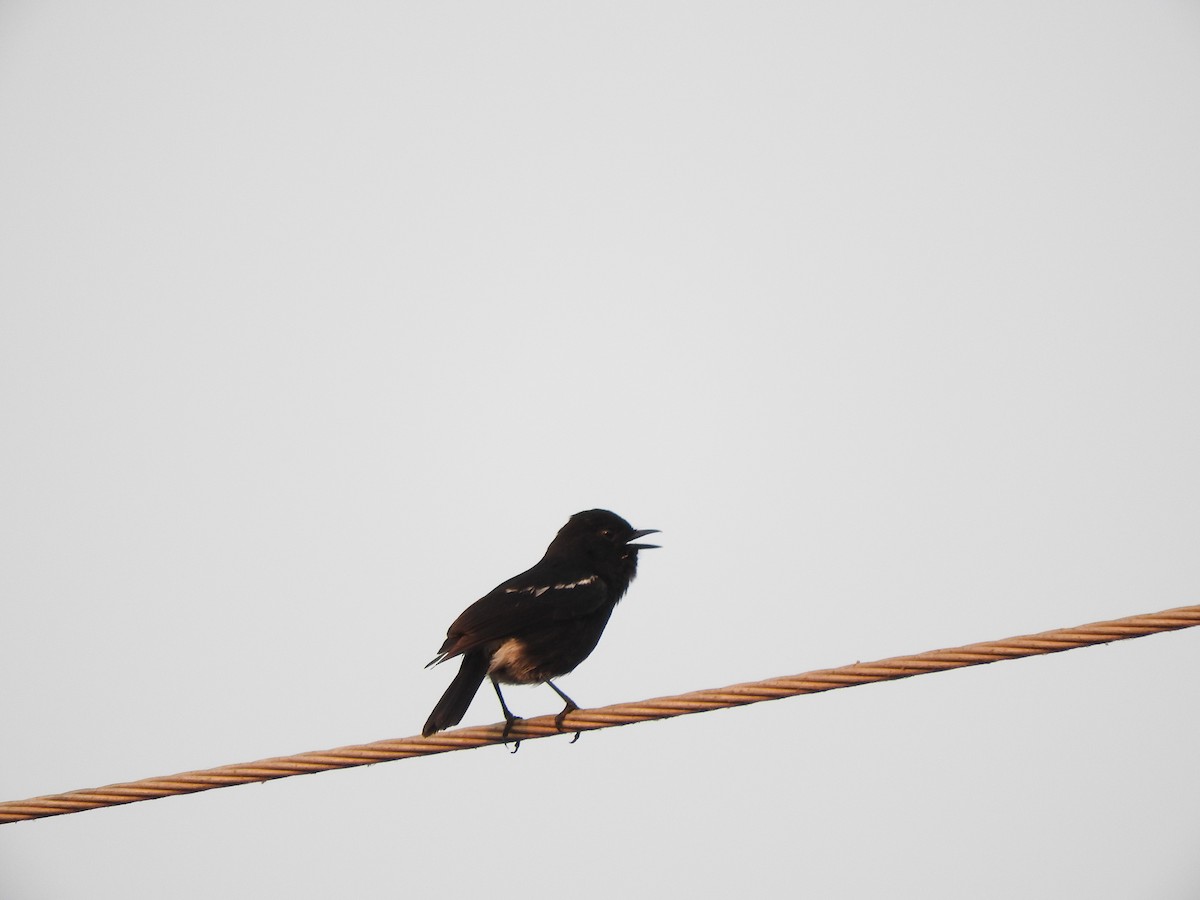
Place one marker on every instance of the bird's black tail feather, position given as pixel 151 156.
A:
pixel 453 705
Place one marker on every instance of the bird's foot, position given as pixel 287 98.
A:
pixel 560 719
pixel 509 721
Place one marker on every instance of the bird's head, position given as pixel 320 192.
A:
pixel 605 538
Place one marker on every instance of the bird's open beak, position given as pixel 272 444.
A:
pixel 639 534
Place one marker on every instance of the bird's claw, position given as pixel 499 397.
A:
pixel 561 718
pixel 508 724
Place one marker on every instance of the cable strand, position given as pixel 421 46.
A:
pixel 613 716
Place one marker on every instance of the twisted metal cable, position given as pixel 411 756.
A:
pixel 607 716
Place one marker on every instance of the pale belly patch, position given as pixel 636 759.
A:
pixel 510 663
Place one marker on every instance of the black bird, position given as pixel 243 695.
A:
pixel 545 621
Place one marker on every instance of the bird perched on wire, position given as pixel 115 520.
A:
pixel 545 621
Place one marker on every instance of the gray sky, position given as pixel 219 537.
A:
pixel 318 320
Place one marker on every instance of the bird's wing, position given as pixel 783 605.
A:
pixel 520 605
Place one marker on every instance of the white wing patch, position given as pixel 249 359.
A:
pixel 562 586
pixel 591 579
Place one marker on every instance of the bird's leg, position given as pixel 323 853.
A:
pixel 509 718
pixel 570 707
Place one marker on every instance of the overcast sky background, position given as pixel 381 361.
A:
pixel 318 320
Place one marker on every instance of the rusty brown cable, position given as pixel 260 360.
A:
pixel 607 716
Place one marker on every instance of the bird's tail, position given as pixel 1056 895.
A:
pixel 453 705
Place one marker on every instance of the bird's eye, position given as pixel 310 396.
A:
pixel 605 532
